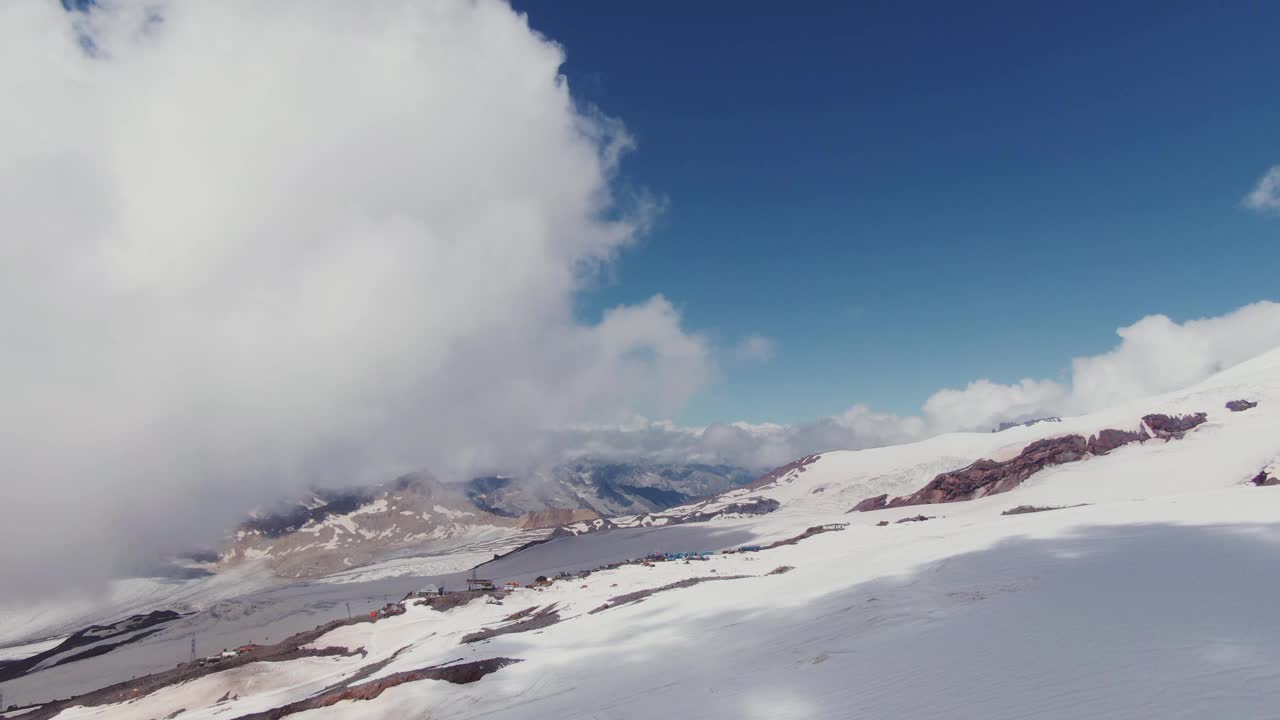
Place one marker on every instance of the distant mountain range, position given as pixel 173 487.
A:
pixel 1024 423
pixel 337 530
pixel 608 488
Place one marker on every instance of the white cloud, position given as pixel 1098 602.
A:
pixel 755 348
pixel 984 404
pixel 1155 355
pixel 756 446
pixel 1158 355
pixel 1266 194
pixel 247 246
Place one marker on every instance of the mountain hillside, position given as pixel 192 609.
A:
pixel 339 530
pixel 356 529
pixel 1113 565
pixel 608 488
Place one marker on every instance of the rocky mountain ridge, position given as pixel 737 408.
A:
pixel 608 488
pixel 338 530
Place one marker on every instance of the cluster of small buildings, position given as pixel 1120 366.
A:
pixel 672 556
pixel 648 561
pixel 386 611
pixel 226 654
pixel 480 585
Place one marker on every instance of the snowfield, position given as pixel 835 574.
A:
pixel 17 652
pixel 1151 592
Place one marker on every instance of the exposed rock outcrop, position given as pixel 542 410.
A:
pixel 412 511
pixel 639 595
pixel 914 518
pixel 989 477
pixel 545 617
pixel 1024 423
pixel 95 639
pixel 1172 427
pixel 461 673
pixel 1110 439
pixel 1265 479
pixel 1026 509
pixel 749 506
pixel 291 648
pixel 808 533
pixel 872 503
pixel 1240 405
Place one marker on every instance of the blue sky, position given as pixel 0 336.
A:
pixel 909 196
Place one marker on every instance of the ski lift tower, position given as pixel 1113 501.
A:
pixel 477 583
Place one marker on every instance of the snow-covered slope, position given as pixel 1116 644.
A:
pixel 370 541
pixel 1148 593
pixel 835 482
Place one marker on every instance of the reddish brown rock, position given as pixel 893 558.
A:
pixel 1173 426
pixel 988 477
pixel 916 518
pixel 872 503
pixel 543 618
pixel 1025 423
pixel 1264 479
pixel 1025 509
pixel 640 595
pixel 1107 440
pixel 461 674
pixel 808 533
pixel 882 523
pixel 1240 405
pixel 291 648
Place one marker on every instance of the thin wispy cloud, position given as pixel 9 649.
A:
pixel 755 348
pixel 1265 196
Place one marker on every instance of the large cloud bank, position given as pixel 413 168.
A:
pixel 1154 355
pixel 248 246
